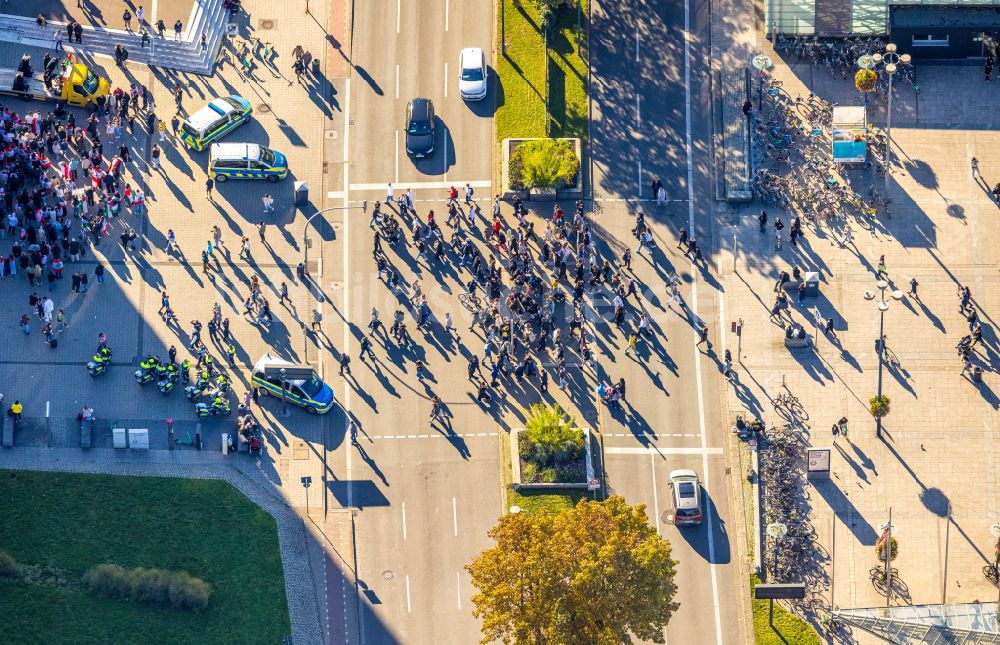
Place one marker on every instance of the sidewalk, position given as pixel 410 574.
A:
pixel 936 466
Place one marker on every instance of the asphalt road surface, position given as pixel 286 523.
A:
pixel 426 497
pixel 652 119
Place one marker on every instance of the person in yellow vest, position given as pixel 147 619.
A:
pixel 232 355
pixel 16 410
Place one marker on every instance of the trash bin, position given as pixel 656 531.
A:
pixel 977 374
pixel 812 284
pixel 301 189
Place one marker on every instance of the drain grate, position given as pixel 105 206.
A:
pixel 266 24
pixel 264 108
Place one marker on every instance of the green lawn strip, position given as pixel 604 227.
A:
pixel 788 628
pixel 521 72
pixel 535 501
pixel 73 521
pixel 568 73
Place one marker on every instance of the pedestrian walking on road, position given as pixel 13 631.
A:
pixel 317 318
pixel 390 194
pixel 268 202
pixel 209 185
pixel 283 291
pixel 913 289
pixel 965 295
pixel 448 326
pixel 882 271
pixel 244 248
pixel 178 26
pixel 975 169
pixel 127 18
pixel 703 336
pixel 57 39
pixel 762 220
pixel 261 229
pixel 345 364
pixel 828 329
pixel 366 348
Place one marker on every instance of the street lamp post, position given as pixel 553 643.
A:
pixel 883 306
pixel 284 389
pixel 305 232
pixel 891 60
pixel 887 529
pixel 762 63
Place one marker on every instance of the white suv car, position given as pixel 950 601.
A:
pixel 473 79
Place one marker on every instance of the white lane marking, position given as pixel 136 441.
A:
pixel 444 157
pixel 446 15
pixel 640 179
pixel 446 93
pixel 417 185
pixel 397 82
pixel 409 607
pixel 398 10
pixel 458 588
pixel 481 434
pixel 46 409
pixel 638 116
pixel 454 514
pixel 654 450
pixel 348 468
pixel 656 498
pixel 694 309
pixel 395 178
pixel 336 194
pixel 404 520
pixel 637 44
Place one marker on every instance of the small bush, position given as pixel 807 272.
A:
pixel 551 436
pixel 8 566
pixel 571 473
pixel 529 473
pixel 543 163
pixel 176 589
pixel 548 476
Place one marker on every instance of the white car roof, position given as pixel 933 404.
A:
pixel 235 151
pixel 206 116
pixel 471 57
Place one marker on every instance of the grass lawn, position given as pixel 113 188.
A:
pixel 536 501
pixel 521 72
pixel 71 522
pixel 788 628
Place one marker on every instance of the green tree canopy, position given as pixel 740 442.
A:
pixel 597 573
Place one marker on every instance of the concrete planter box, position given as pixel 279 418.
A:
pixel 570 192
pixel 515 461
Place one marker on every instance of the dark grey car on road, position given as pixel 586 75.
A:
pixel 419 127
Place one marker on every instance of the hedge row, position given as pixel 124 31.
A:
pixel 176 589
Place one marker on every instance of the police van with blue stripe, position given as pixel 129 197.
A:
pixel 220 117
pixel 295 382
pixel 246 161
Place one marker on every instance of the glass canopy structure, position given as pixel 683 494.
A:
pixel 958 624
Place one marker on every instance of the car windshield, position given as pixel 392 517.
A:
pixel 267 156
pixel 233 102
pixel 472 74
pixel 186 127
pixel 687 512
pixel 419 127
pixel 90 83
pixel 685 490
pixel 312 387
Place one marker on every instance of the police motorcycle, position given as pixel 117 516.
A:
pixel 201 386
pixel 169 379
pixel 218 407
pixel 99 363
pixel 150 369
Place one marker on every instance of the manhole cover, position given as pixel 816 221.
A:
pixel 330 134
pixel 266 24
pixel 388 575
pixel 264 108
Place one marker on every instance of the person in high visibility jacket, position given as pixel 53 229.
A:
pixel 16 410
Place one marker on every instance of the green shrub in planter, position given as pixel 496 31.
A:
pixel 543 163
pixel 551 436
pixel 529 472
